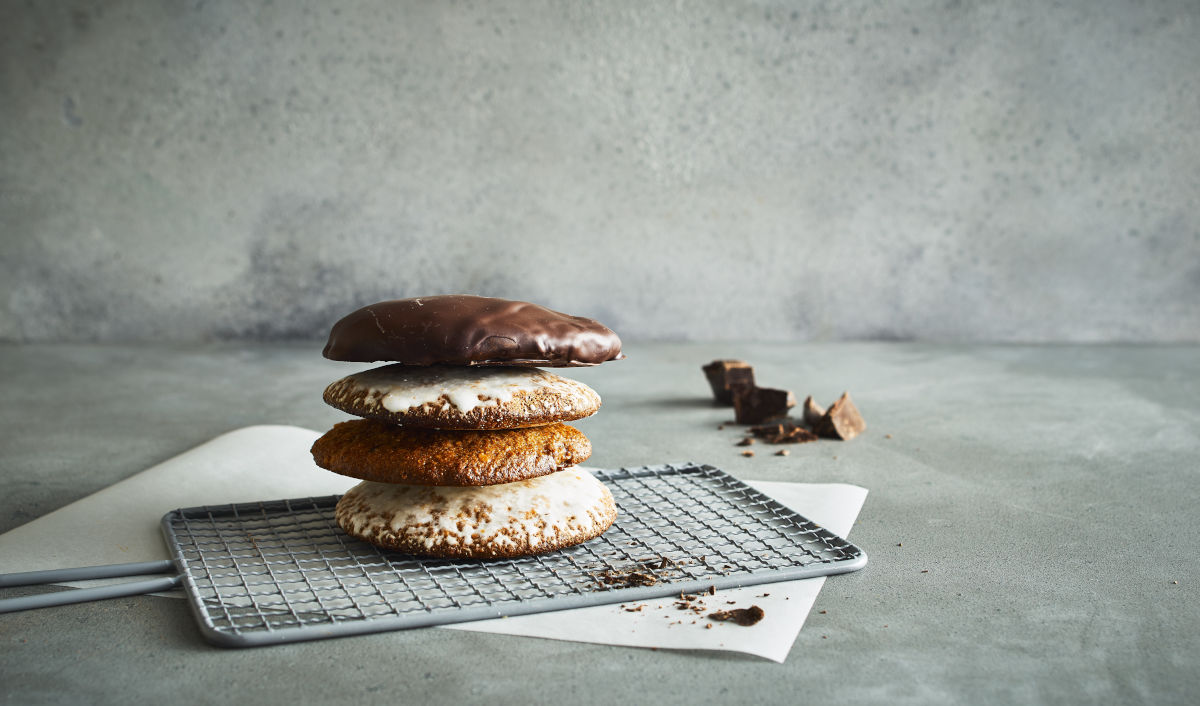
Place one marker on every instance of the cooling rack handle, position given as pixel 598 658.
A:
pixel 83 573
pixel 83 595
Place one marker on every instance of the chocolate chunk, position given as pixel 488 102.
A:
pixel 755 405
pixel 841 420
pixel 812 411
pixel 470 330
pixel 724 375
pixel 741 616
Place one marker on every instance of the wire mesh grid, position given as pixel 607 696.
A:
pixel 281 571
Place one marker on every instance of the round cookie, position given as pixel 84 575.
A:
pixel 446 397
pixel 489 522
pixel 462 329
pixel 372 450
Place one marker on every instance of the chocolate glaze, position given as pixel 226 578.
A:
pixel 463 329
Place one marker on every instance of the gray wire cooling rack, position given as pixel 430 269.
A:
pixel 283 571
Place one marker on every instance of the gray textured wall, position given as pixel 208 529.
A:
pixel 974 171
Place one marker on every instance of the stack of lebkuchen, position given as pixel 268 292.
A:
pixel 462 446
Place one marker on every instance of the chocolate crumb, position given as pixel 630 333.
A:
pixel 748 441
pixel 712 590
pixel 766 430
pixel 626 579
pixel 887 436
pixel 824 612
pixel 781 452
pixel 748 453
pixel 741 616
pixel 924 571
pixel 787 431
pixel 708 626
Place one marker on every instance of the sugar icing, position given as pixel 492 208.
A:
pixel 401 388
pixel 533 510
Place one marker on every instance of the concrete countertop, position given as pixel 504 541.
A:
pixel 1032 528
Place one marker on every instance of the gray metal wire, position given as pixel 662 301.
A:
pixel 282 571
